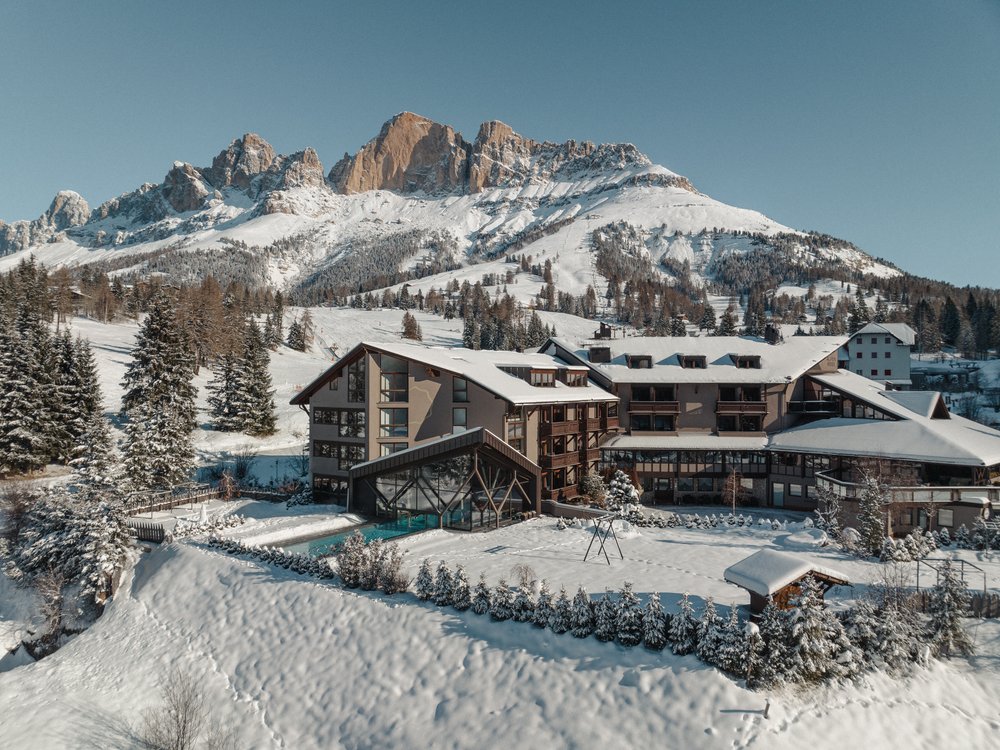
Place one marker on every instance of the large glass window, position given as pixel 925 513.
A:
pixel 394 379
pixel 393 422
pixel 652 423
pixel 356 380
pixel 459 390
pixel 350 422
pixel 459 419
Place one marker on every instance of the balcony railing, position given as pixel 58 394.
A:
pixel 741 407
pixel 916 494
pixel 559 428
pixel 558 460
pixel 813 407
pixel 655 407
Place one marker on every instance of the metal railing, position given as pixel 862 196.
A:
pixel 920 494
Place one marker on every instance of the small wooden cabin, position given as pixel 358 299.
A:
pixel 769 573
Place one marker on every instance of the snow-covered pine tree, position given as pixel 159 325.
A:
pixel 277 321
pixel 583 614
pixel 949 603
pixel 443 585
pixel 629 617
pixel 501 602
pixel 819 647
pixel 621 491
pixel 963 539
pixel 871 513
pixel 727 323
pixel 543 606
pixel 94 457
pixel 753 656
pixel 423 585
pixel 654 624
pixel 897 637
pixel 775 660
pixel 461 597
pixel 862 628
pixel 223 398
pixel 561 619
pixel 296 337
pixel 709 633
pixel 605 618
pixel 258 416
pixel 159 402
pixel 481 598
pixel 682 632
pixel 523 608
pixel 733 646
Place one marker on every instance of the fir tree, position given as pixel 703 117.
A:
pixel 94 458
pixel 732 652
pixel 709 633
pixel 727 323
pixel 949 603
pixel 544 607
pixel 461 597
pixel 583 614
pixel 629 617
pixel 754 655
pixel 481 599
pixel 561 620
pixel 411 328
pixel 871 514
pixel 708 321
pixel 621 491
pixel 654 624
pixel 443 585
pixel 424 583
pixel 258 414
pixel 501 602
pixel 683 630
pixel 223 401
pixel 605 618
pixel 818 647
pixel 775 633
pixel 524 604
pixel 296 337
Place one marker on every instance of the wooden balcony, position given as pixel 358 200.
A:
pixel 655 407
pixel 559 428
pixel 741 407
pixel 590 454
pixel 559 460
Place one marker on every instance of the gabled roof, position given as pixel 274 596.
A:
pixel 481 367
pixel 900 331
pixel 779 363
pixel 767 571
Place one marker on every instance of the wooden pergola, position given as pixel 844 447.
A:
pixel 488 479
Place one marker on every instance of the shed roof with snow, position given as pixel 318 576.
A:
pixel 768 572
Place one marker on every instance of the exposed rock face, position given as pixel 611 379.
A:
pixel 67 210
pixel 499 156
pixel 183 188
pixel 301 169
pixel 245 158
pixel 410 154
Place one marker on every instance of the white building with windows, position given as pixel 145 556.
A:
pixel 881 351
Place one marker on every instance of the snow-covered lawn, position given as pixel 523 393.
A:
pixel 298 663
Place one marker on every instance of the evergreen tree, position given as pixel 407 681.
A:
pixel 524 604
pixel 443 585
pixel 683 630
pixel 481 599
pixel 709 634
pixel 26 424
pixel 949 603
pixel 224 400
pixel 561 619
pixel 258 413
pixel 654 624
pixel 605 618
pixel 775 661
pixel 461 597
pixel 727 323
pixel 708 320
pixel 733 646
pixel 159 402
pixel 871 514
pixel 424 582
pixel 621 491
pixel 818 647
pixel 501 602
pixel 296 337
pixel 583 614
pixel 754 656
pixel 544 607
pixel 94 458
pixel 629 617
pixel 411 328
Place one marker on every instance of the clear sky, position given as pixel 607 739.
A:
pixel 877 122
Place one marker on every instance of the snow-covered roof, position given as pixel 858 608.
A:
pixel 875 393
pixel 482 367
pixel 778 362
pixel 767 571
pixel 684 441
pixel 923 403
pixel 902 332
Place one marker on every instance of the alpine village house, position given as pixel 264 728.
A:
pixel 465 439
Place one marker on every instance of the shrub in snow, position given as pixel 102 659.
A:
pixel 501 602
pixel 949 603
pixel 523 608
pixel 424 583
pixel 561 525
pixel 461 596
pixel 709 633
pixel 481 599
pixel 186 528
pixel 962 538
pixel 583 614
pixel 943 538
pixel 654 624
pixel 543 607
pixel 605 618
pixel 561 619
pixel 629 617
pixel 683 630
pixel 443 585
pixel 350 560
pixel 592 488
pixel 300 498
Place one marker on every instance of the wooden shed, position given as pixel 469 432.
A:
pixel 769 573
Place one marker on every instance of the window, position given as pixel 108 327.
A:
pixel 874 355
pixel 693 362
pixel 946 517
pixel 887 355
pixel 652 423
pixel 639 361
pixel 887 373
pixel 705 484
pixel 351 422
pixel 347 454
pixel 858 340
pixel 356 380
pixel 576 379
pixel 393 422
pixel 747 361
pixel 874 339
pixel 459 419
pixel 395 375
pixel 860 355
pixel 386 449
pixel 888 340
pixel 459 390
pixel 543 378
pixel 874 373
pixel 795 490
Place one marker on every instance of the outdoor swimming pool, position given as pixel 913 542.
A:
pixel 387 530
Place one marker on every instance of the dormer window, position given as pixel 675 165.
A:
pixel 599 354
pixel 639 361
pixel 693 362
pixel 543 378
pixel 575 379
pixel 746 361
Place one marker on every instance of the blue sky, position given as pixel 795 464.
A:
pixel 875 122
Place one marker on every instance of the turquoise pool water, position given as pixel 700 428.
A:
pixel 387 530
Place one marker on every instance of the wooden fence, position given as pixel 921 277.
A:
pixel 980 604
pixel 140 504
pixel 146 531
